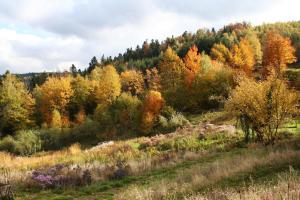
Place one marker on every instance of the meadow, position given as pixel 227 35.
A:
pixel 200 161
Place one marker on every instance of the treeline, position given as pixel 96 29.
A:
pixel 146 55
pixel 107 101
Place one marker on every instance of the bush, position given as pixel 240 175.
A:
pixel 28 142
pixel 261 107
pixel 125 113
pixel 24 143
pixel 52 139
pixel 87 131
pixel 8 144
pixel 180 144
pixel 169 120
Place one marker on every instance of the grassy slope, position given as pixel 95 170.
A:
pixel 108 189
pixel 114 189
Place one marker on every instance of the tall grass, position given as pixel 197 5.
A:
pixel 198 178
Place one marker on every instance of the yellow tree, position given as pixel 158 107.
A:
pixel 132 81
pixel 236 59
pixel 172 75
pixel 254 42
pixel 54 94
pixel 56 121
pixel 107 84
pixel 16 104
pixel 262 106
pixel 221 53
pixel 192 65
pixel 81 100
pixel 243 56
pixel 278 52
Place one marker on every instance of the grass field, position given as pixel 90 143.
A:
pixel 178 165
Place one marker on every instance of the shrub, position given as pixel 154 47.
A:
pixel 24 143
pixel 28 142
pixel 52 139
pixel 169 120
pixel 261 107
pixel 8 144
pixel 178 120
pixel 125 112
pixel 87 131
pixel 152 106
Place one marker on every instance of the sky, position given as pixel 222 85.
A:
pixel 50 35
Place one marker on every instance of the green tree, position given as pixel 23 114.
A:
pixel 16 105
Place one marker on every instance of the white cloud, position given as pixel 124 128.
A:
pixel 38 35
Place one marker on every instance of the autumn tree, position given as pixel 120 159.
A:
pixel 172 76
pixel 54 94
pixel 125 113
pixel 221 53
pixel 152 106
pixel 132 81
pixel 278 52
pixel 16 105
pixel 192 65
pixel 56 120
pixel 107 84
pixel 153 79
pixel 243 56
pixel 82 100
pixel 252 38
pixel 261 107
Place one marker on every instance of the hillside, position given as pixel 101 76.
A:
pixel 201 161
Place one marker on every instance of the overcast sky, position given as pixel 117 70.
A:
pixel 50 35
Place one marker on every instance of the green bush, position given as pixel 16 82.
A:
pixel 8 144
pixel 180 144
pixel 123 116
pixel 28 142
pixel 86 132
pixel 52 139
pixel 169 120
pixel 24 143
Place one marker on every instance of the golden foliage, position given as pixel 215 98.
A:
pixel 54 94
pixel 107 84
pixel 278 52
pixel 82 88
pixel 192 65
pixel 243 56
pixel 262 106
pixel 16 104
pixel 172 76
pixel 171 70
pixel 132 81
pixel 152 106
pixel 56 121
pixel 221 53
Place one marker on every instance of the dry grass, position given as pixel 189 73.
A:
pixel 287 188
pixel 100 161
pixel 197 177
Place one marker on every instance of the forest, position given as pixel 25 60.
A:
pixel 161 102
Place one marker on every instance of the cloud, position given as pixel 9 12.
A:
pixel 38 35
pixel 74 17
